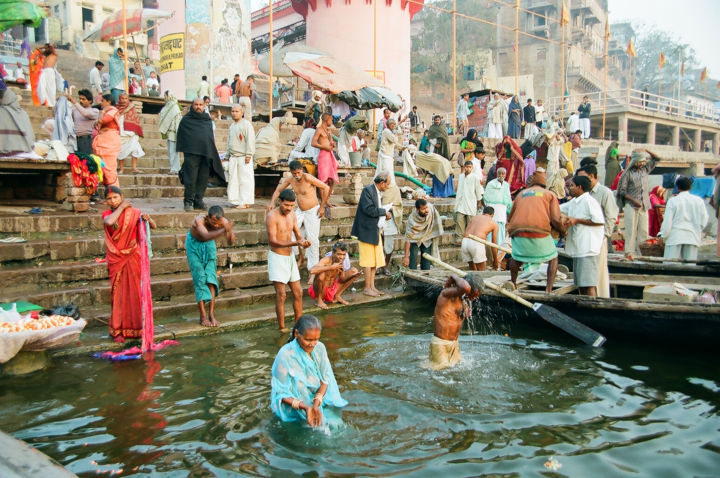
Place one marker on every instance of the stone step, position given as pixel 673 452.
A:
pixel 164 286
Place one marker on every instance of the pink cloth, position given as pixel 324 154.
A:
pixel 148 330
pixel 327 166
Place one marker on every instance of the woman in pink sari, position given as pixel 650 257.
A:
pixel 107 142
pixel 128 266
pixel 655 214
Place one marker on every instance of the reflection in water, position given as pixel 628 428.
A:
pixel 202 408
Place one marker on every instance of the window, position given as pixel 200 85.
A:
pixel 468 72
pixel 88 15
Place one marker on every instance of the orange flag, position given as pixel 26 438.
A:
pixel 703 74
pixel 631 49
pixel 682 69
pixel 661 61
pixel 607 28
pixel 564 15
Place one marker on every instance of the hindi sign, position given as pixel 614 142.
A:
pixel 172 52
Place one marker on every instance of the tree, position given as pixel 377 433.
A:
pixel 648 44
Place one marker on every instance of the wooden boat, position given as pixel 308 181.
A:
pixel 617 264
pixel 623 317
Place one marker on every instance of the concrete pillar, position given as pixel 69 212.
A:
pixel 651 132
pixel 676 136
pixel 716 143
pixel 697 140
pixel 622 128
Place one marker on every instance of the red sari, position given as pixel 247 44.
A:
pixel 514 165
pixel 655 215
pixel 123 259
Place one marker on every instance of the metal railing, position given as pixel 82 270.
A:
pixel 10 47
pixel 636 100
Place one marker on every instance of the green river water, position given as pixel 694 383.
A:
pixel 201 409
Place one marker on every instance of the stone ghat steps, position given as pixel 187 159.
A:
pixel 74 260
pixel 60 222
pixel 165 287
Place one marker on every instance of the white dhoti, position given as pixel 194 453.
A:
pixel 385 165
pixel 531 129
pixel 585 127
pixel 309 225
pixel 47 87
pixel 495 130
pixel 603 283
pixel 241 181
pixel 130 146
pixel 472 251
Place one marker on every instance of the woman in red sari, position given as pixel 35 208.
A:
pixel 124 250
pixel 657 209
pixel 509 156
pixel 107 142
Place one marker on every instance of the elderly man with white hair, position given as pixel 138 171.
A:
pixel 386 154
pixel 497 196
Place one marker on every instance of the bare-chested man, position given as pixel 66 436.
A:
pixel 472 251
pixel 326 162
pixel 47 85
pixel 202 258
pixel 452 307
pixel 309 212
pixel 332 278
pixel 282 268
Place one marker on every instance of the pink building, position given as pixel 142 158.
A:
pixel 344 28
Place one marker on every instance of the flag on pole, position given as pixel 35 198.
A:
pixel 682 69
pixel 564 15
pixel 631 49
pixel 718 85
pixel 607 28
pixel 661 61
pixel 703 74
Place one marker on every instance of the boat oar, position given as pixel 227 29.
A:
pixel 491 244
pixel 550 314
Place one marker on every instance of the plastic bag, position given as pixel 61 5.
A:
pixel 11 315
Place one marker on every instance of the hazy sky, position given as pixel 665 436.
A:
pixel 692 21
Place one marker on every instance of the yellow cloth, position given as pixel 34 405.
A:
pixel 444 353
pixel 371 255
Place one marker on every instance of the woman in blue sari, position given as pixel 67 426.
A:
pixel 515 116
pixel 303 383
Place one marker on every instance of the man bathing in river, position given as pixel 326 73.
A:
pixel 202 258
pixel 282 267
pixel 309 212
pixel 453 306
pixel 331 278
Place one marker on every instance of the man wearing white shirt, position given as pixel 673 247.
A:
pixel 468 199
pixel 539 114
pixel 19 73
pixel 573 122
pixel 304 147
pixel 685 218
pixel 95 79
pixel 585 221
pixel 152 80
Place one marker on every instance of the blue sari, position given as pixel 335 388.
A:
pixel 295 374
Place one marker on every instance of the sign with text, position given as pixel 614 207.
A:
pixel 172 52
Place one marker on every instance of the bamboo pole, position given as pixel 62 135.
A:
pixel 454 67
pixel 607 38
pixel 562 72
pixel 137 55
pixel 375 2
pixel 270 81
pixel 517 47
pixel 124 31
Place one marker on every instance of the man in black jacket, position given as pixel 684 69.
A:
pixel 196 139
pixel 529 116
pixel 366 229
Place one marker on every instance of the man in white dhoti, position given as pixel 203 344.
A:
pixel 309 212
pixel 685 218
pixel 47 83
pixel 386 154
pixel 497 116
pixel 304 147
pixel 130 133
pixel 240 150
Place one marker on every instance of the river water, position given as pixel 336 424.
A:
pixel 532 404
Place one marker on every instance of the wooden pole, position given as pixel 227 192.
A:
pixel 454 67
pixel 607 35
pixel 270 81
pixel 517 47
pixel 562 72
pixel 124 31
pixel 375 2
pixel 138 57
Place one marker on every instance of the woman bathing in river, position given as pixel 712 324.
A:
pixel 303 383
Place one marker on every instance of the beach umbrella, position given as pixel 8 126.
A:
pixel 139 20
pixel 15 12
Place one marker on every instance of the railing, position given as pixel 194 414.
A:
pixel 10 47
pixel 638 100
